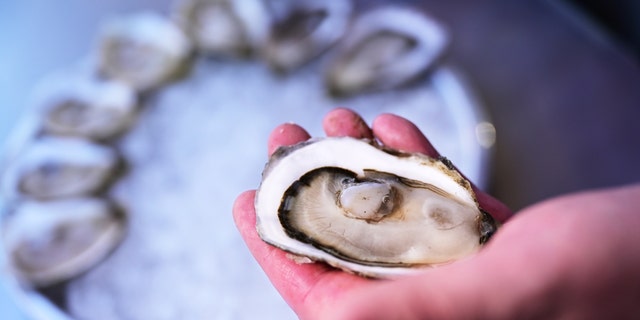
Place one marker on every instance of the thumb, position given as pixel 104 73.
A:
pixel 508 279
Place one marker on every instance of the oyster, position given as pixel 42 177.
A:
pixel 49 242
pixel 367 210
pixel 89 108
pixel 54 167
pixel 225 27
pixel 303 30
pixel 385 48
pixel 143 50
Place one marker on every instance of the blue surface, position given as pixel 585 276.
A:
pixel 38 38
pixel 8 308
pixel 15 76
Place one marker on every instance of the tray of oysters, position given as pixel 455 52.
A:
pixel 117 184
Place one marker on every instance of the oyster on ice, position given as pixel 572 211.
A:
pixel 88 108
pixel 53 167
pixel 367 210
pixel 302 30
pixel 49 242
pixel 224 27
pixel 385 48
pixel 144 50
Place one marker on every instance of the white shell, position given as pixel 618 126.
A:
pixel 49 242
pixel 224 27
pixel 372 54
pixel 86 107
pixel 53 167
pixel 288 167
pixel 143 50
pixel 287 49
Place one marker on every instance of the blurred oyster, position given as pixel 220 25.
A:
pixel 303 30
pixel 384 49
pixel 366 210
pixel 224 27
pixel 143 50
pixel 89 108
pixel 61 167
pixel 49 242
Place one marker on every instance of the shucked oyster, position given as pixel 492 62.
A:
pixel 367 210
pixel 303 29
pixel 143 50
pixel 60 167
pixel 88 108
pixel 385 48
pixel 224 27
pixel 48 242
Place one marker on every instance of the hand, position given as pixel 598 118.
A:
pixel 571 257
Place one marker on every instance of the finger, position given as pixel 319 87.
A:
pixel 342 122
pixel 524 272
pixel 303 286
pixel 456 291
pixel 285 135
pixel 401 134
pixel 489 285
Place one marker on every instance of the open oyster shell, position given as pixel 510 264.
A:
pixel 366 210
pixel 385 48
pixel 302 30
pixel 143 50
pixel 49 242
pixel 86 107
pixel 54 167
pixel 224 27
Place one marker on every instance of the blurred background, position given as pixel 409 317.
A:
pixel 561 80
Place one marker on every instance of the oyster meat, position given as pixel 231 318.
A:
pixel 49 242
pixel 368 210
pixel 53 167
pixel 385 48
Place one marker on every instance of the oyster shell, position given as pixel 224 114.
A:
pixel 49 242
pixel 143 50
pixel 367 210
pixel 302 30
pixel 225 27
pixel 385 48
pixel 88 108
pixel 53 167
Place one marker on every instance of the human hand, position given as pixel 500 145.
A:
pixel 571 257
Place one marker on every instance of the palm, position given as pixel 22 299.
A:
pixel 523 272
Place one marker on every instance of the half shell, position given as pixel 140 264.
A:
pixel 302 30
pixel 385 48
pixel 53 167
pixel 366 210
pixel 88 108
pixel 224 27
pixel 143 50
pixel 49 242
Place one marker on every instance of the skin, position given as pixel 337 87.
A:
pixel 572 257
